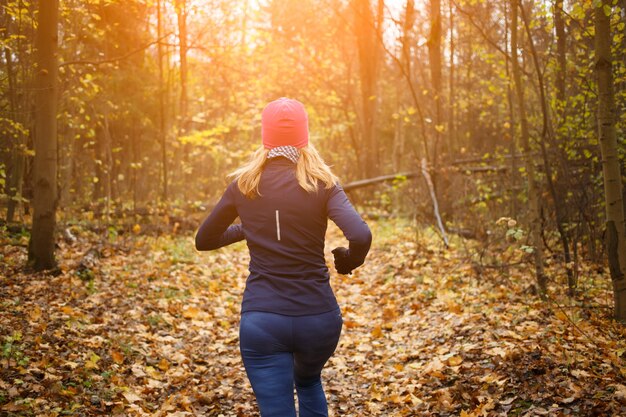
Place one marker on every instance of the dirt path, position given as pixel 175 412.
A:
pixel 151 329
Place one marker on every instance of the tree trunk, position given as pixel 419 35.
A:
pixel 512 138
pixel 41 245
pixel 533 192
pixel 183 127
pixel 64 168
pixel 17 160
pixel 100 167
pixel 434 53
pixel 405 62
pixel 161 89
pixel 559 27
pixel 452 140
pixel 107 160
pixel 181 13
pixel 560 207
pixel 367 44
pixel 616 243
pixel 439 147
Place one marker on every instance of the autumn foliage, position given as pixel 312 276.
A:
pixel 148 326
pixel 483 141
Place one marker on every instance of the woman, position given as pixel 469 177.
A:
pixel 290 322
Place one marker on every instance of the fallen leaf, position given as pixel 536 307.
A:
pixel 117 356
pixel 455 360
pixel 131 397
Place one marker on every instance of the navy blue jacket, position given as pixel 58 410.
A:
pixel 284 228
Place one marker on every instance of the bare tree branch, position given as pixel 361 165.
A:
pixel 116 59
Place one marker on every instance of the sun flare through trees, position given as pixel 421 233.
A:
pixel 493 132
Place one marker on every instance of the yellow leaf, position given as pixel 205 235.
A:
pixel 152 372
pixel 410 398
pixel 164 365
pixel 561 315
pixel 214 286
pixel 394 398
pixel 35 314
pixel 136 229
pixel 455 360
pixel 68 310
pixel 434 366
pixel 377 332
pixel 375 393
pixel 389 313
pixel 191 312
pixel 92 363
pixel 454 307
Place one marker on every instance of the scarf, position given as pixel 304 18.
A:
pixel 289 152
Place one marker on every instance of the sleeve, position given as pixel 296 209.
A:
pixel 343 214
pixel 217 231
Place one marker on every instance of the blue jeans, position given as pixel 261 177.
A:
pixel 278 350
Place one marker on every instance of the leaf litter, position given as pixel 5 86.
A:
pixel 152 330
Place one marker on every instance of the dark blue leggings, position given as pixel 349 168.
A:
pixel 278 350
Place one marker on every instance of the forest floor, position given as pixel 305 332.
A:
pixel 146 325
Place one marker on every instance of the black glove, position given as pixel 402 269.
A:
pixel 343 265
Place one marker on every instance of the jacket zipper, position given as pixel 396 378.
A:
pixel 277 225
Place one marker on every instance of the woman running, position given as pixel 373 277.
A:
pixel 290 319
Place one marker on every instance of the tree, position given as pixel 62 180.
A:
pixel 41 245
pixel 615 226
pixel 533 192
pixel 561 53
pixel 548 136
pixel 162 92
pixel 434 53
pixel 18 69
pixel 367 35
pixel 181 13
pixel 404 62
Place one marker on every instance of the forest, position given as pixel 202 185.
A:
pixel 483 142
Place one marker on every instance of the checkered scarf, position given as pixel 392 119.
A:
pixel 289 152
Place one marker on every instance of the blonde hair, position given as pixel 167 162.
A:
pixel 310 170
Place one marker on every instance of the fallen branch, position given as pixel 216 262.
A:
pixel 433 197
pixel 465 233
pixel 471 170
pixel 377 180
pixel 410 175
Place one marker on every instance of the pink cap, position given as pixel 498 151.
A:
pixel 284 122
